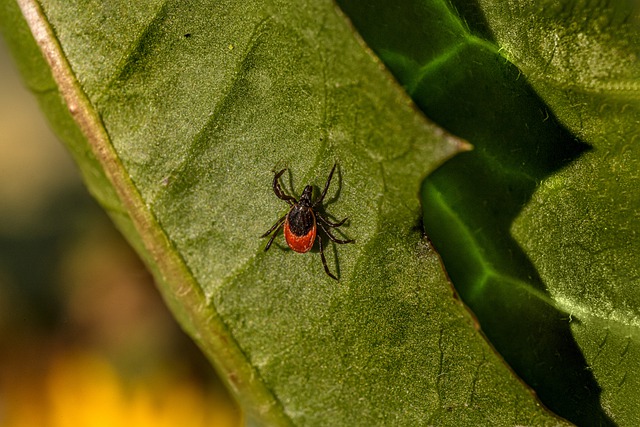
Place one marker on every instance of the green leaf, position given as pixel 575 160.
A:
pixel 538 227
pixel 178 112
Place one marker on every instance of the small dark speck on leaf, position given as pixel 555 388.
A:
pixel 418 227
pixel 186 36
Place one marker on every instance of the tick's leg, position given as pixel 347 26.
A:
pixel 275 227
pixel 279 193
pixel 266 248
pixel 326 187
pixel 332 237
pixel 324 260
pixel 329 223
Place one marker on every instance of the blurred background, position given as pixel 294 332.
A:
pixel 85 339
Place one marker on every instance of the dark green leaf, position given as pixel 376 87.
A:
pixel 538 226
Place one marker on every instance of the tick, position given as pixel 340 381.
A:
pixel 301 223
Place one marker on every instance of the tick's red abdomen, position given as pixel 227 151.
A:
pixel 300 237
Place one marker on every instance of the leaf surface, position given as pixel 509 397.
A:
pixel 179 112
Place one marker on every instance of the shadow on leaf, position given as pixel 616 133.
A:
pixel 443 53
pixel 470 204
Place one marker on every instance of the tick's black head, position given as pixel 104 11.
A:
pixel 305 199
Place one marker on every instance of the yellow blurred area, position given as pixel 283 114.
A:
pixel 82 388
pixel 85 338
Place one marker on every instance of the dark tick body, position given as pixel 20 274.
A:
pixel 301 223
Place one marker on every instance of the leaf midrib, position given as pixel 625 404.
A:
pixel 159 249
